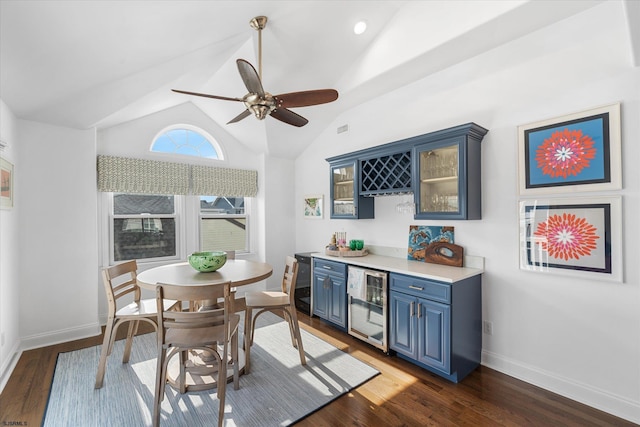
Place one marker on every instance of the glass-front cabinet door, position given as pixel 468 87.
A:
pixel 440 191
pixel 345 199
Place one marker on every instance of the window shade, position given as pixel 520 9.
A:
pixel 224 182
pixel 126 175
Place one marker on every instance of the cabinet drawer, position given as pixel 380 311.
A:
pixel 423 288
pixel 329 266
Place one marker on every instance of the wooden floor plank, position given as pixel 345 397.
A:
pixel 402 395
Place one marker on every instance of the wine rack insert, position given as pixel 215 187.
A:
pixel 386 174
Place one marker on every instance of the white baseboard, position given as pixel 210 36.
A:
pixel 8 366
pixel 60 336
pixel 580 392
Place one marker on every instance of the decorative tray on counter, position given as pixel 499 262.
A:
pixel 347 252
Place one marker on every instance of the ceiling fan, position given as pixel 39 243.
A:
pixel 263 104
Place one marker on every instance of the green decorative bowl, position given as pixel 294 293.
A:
pixel 207 262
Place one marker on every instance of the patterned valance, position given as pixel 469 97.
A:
pixel 126 175
pixel 224 181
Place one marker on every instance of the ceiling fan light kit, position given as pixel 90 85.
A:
pixel 262 104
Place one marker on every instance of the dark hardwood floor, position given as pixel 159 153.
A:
pixel 403 395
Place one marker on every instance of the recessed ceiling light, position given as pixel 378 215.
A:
pixel 360 27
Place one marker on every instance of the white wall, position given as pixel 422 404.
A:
pixel 280 229
pixel 57 251
pixel 9 287
pixel 579 338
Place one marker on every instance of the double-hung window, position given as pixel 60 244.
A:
pixel 223 224
pixel 143 226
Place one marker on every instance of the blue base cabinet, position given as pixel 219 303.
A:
pixel 436 325
pixel 330 292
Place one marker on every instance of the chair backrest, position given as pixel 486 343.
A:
pixel 120 280
pixel 193 328
pixel 231 254
pixel 290 277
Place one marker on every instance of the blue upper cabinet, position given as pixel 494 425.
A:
pixel 441 169
pixel 346 201
pixel 447 174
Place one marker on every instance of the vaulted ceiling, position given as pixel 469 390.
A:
pixel 85 64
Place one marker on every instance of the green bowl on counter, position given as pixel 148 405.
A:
pixel 206 262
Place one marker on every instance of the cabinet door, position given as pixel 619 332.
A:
pixel 402 323
pixel 434 331
pixel 346 201
pixel 321 290
pixel 440 183
pixel 337 309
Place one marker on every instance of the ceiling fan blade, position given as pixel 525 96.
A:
pixel 289 117
pixel 306 98
pixel 245 113
pixel 207 95
pixel 250 77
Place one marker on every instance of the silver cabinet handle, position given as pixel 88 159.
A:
pixel 326 267
pixel 412 313
pixel 417 288
pixel 419 310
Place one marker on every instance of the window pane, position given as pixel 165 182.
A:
pixel 223 234
pixel 138 238
pixel 132 204
pixel 186 142
pixel 222 205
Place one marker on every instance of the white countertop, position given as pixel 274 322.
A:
pixel 442 273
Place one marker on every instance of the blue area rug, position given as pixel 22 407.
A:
pixel 277 392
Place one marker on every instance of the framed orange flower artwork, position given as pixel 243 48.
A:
pixel 577 236
pixel 572 153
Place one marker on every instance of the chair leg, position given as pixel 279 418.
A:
pixel 105 351
pixel 287 316
pixel 248 338
pixel 161 373
pixel 234 358
pixel 182 379
pixel 221 386
pixel 133 328
pixel 296 326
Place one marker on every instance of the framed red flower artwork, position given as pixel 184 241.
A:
pixel 576 152
pixel 577 236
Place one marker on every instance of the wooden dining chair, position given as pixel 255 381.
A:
pixel 121 287
pixel 275 301
pixel 180 333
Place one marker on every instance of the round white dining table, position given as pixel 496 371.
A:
pixel 237 271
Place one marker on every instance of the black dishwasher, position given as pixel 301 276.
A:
pixel 303 284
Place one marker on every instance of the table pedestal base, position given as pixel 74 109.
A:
pixel 200 374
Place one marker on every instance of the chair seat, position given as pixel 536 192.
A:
pixel 144 307
pixel 267 299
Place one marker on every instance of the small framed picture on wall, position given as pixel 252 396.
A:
pixel 572 153
pixel 6 184
pixel 313 208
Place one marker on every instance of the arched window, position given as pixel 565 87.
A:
pixel 187 140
